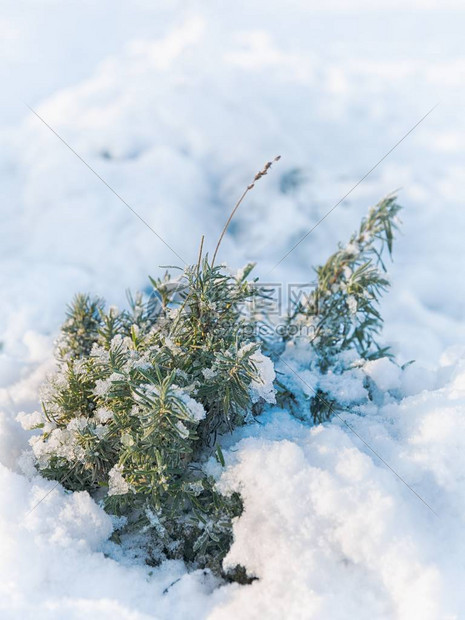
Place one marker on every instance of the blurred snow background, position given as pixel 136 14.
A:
pixel 177 105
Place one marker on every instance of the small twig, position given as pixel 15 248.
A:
pixel 200 254
pixel 166 590
pixel 258 176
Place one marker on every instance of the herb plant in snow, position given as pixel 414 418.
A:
pixel 142 397
pixel 340 318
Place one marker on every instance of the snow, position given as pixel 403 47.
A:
pixel 330 523
pixel 177 105
pixel 53 565
pixel 384 373
pixel 117 484
pixel 195 410
pixel 263 388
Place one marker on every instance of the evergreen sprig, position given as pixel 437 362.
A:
pixel 343 310
pixel 341 314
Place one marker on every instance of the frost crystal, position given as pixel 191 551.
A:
pixel 183 430
pixel 102 386
pixel 263 388
pixel 117 485
pixel 60 443
pixel 30 421
pixel 195 409
pixel 103 415
pixel 352 248
pixel 352 303
pixel 209 373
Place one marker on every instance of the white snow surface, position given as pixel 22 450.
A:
pixel 177 105
pixel 263 388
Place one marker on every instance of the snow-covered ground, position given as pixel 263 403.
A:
pixel 177 105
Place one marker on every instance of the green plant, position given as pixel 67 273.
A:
pixel 341 313
pixel 142 396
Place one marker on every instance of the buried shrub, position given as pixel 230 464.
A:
pixel 142 396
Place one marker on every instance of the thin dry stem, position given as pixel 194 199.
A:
pixel 258 176
pixel 200 253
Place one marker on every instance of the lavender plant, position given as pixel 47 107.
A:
pixel 142 396
pixel 341 314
